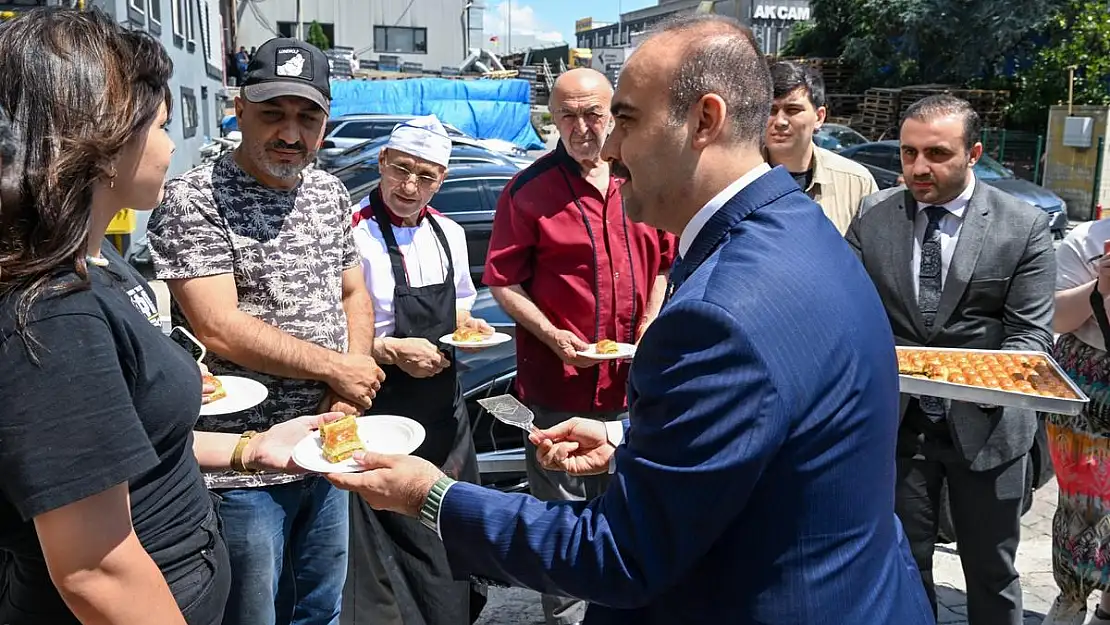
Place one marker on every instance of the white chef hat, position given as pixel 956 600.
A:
pixel 423 137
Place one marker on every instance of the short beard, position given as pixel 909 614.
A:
pixel 281 171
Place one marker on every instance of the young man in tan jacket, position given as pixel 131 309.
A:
pixel 834 182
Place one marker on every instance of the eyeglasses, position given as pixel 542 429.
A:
pixel 402 174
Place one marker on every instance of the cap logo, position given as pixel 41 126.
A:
pixel 291 63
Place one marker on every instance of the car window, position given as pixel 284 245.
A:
pixel 494 186
pixel 361 130
pixel 330 127
pixel 359 175
pixel 457 196
pixel 878 156
pixel 846 137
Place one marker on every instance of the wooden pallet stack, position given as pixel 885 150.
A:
pixel 990 104
pixel 835 73
pixel 843 104
pixel 879 114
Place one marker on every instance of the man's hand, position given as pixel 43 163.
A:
pixel 576 446
pixel 395 483
pixel 567 345
pixel 332 402
pixel 474 323
pixel 418 357
pixel 357 377
pixel 1104 277
pixel 207 388
pixel 272 450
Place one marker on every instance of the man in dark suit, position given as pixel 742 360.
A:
pixel 960 264
pixel 756 481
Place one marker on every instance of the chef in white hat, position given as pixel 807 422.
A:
pixel 416 268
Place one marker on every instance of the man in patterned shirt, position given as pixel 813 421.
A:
pixel 257 252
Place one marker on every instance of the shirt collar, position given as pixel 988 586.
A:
pixel 958 205
pixel 702 217
pixel 366 210
pixel 820 172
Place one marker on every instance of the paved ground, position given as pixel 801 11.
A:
pixel 521 607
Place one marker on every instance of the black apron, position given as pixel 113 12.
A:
pixel 397 570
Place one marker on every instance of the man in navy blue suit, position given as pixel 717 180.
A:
pixel 755 482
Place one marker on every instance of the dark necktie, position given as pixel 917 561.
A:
pixel 674 279
pixel 929 286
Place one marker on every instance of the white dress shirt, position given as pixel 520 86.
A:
pixel 702 217
pixel 425 264
pixel 950 226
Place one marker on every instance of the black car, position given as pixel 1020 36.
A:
pixel 468 196
pixel 489 373
pixel 883 159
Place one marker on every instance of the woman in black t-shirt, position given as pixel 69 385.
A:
pixel 104 516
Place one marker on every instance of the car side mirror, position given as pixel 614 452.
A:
pixel 327 145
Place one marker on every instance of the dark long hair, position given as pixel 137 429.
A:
pixel 78 88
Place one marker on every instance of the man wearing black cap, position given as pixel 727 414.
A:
pixel 258 254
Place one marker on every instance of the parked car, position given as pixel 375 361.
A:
pixel 463 150
pixel 468 196
pixel 489 373
pixel 837 137
pixel 348 131
pixel 884 160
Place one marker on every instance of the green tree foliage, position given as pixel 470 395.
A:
pixel 929 41
pixel 317 37
pixel 1077 36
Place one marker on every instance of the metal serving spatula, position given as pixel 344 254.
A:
pixel 507 409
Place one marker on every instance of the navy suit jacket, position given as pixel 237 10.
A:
pixel 756 482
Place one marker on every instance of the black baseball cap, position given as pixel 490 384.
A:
pixel 288 67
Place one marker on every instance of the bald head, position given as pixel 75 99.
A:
pixel 712 54
pixel 579 104
pixel 580 81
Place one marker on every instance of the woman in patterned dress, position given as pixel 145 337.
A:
pixel 1080 444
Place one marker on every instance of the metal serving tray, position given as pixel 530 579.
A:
pixel 991 396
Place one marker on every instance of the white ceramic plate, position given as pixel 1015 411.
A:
pixel 242 393
pixel 496 338
pixel 624 352
pixel 383 434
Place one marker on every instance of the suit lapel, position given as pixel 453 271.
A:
pixel 965 256
pixel 901 242
pixel 762 191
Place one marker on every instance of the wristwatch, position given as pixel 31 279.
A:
pixel 237 455
pixel 429 512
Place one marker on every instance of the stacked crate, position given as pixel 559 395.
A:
pixel 843 104
pixel 879 114
pixel 990 104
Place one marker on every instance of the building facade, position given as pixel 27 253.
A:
pixel 431 33
pixel 770 21
pixel 193 34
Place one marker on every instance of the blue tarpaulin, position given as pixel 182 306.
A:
pixel 485 109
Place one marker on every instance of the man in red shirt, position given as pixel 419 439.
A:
pixel 571 269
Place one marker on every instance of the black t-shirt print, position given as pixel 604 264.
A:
pixel 112 400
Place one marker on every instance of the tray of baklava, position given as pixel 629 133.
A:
pixel 1020 379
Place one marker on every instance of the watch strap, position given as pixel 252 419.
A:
pixel 237 455
pixel 429 512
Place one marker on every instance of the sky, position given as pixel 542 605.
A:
pixel 549 21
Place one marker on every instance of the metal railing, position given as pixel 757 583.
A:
pixel 1018 150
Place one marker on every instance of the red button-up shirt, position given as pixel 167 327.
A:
pixel 586 266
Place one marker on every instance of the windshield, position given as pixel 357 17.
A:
pixel 986 168
pixel 846 136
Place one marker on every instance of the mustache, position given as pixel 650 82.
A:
pixel 618 169
pixel 281 145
